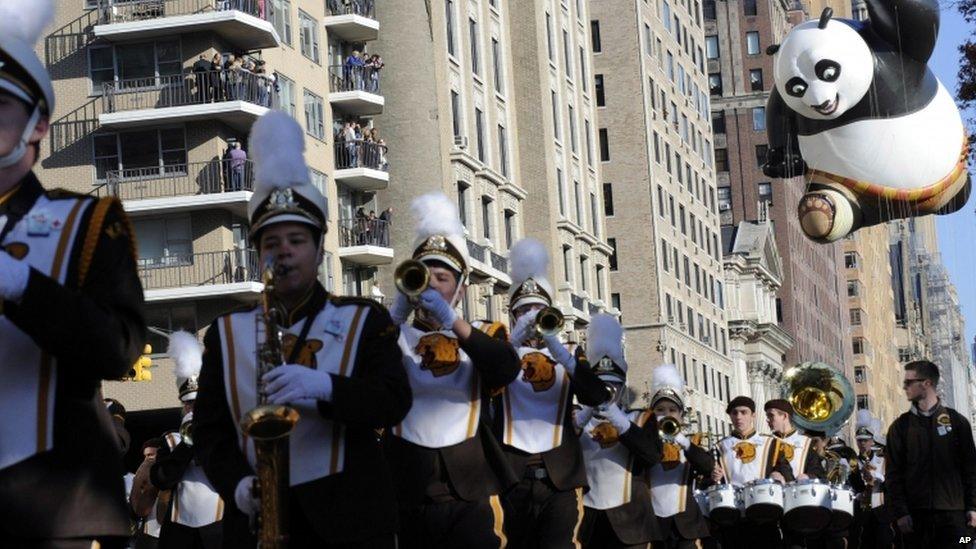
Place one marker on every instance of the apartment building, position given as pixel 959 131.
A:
pixel 810 303
pixel 151 105
pixel 660 196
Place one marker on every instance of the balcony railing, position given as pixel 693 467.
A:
pixel 477 251
pixel 578 302
pixel 593 309
pixel 180 90
pixel 124 11
pixel 360 154
pixel 366 8
pixel 179 180
pixel 347 78
pixel 499 262
pixel 364 232
pixel 200 269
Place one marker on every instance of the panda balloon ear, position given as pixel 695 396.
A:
pixel 772 49
pixel 825 16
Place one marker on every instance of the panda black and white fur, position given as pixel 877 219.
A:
pixel 858 111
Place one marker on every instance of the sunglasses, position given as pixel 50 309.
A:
pixel 908 382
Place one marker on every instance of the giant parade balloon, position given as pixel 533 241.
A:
pixel 857 111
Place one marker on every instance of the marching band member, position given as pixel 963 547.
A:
pixel 143 498
pixel 796 447
pixel 343 373
pixel 535 425
pixel 70 316
pixel 683 460
pixel 745 456
pixel 618 448
pixel 874 522
pixel 448 467
pixel 195 509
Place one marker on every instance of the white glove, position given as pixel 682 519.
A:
pixel 524 328
pixel 14 275
pixel 293 382
pixel 582 417
pixel 616 417
pixel 401 308
pixel 683 441
pixel 560 353
pixel 244 497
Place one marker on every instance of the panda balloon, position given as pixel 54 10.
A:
pixel 858 112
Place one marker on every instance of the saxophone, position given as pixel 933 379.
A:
pixel 270 426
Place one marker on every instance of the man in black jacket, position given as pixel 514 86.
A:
pixel 343 373
pixel 70 316
pixel 930 465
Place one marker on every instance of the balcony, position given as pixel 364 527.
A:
pixel 236 98
pixel 243 24
pixel 354 21
pixel 365 242
pixel 228 273
pixel 361 165
pixel 483 263
pixel 355 90
pixel 182 187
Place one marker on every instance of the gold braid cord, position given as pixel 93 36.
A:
pixel 95 226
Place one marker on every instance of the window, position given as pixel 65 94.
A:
pixel 164 242
pixel 761 152
pixel 582 63
pixel 583 270
pixel 670 66
pixel 755 80
pixel 137 65
pixel 724 198
pixel 615 303
pixel 752 43
pixel 140 153
pixel 479 128
pixel 567 263
pixel 708 10
pixel 562 192
pixel 683 219
pixel 749 7
pixel 308 37
pixel 759 118
pixel 314 115
pixel 904 354
pixel 664 256
pixel 555 115
pixel 579 203
pixel 599 282
pixel 552 56
pixel 859 374
pixel 281 19
pixel 666 15
pixel 509 228
pixel 648 40
pixel 608 199
pixel 449 22
pixel 721 160
pixel 486 217
pixel 473 36
pixel 595 36
pixel 711 47
pixel 503 150
pixel 612 242
pixel 660 201
pixel 766 192
pixel 594 219
pixel 456 112
pixel 286 93
pixel 567 57
pixel 496 60
pixel 168 319
pixel 589 143
pixel 853 288
pixel 573 141
pixel 462 198
pixel 863 403
pixel 101 66
pixel 604 146
pixel 857 345
pixel 718 121
pixel 601 99
pixel 715 83
pixel 850 260
pixel 855 315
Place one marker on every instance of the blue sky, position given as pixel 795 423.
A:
pixel 957 232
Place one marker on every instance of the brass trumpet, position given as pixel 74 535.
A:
pixel 411 277
pixel 549 321
pixel 669 428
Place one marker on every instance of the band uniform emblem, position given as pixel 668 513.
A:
pixel 671 456
pixel 539 370
pixel 745 451
pixel 306 355
pixel 787 449
pixel 16 250
pixel 439 354
pixel 605 434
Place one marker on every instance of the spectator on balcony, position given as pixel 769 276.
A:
pixel 238 159
pixel 386 218
pixel 264 83
pixel 351 141
pixel 215 69
pixel 201 70
pixel 335 7
pixel 353 69
pixel 373 67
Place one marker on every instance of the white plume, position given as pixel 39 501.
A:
pixel 864 419
pixel 187 352
pixel 435 213
pixel 277 148
pixel 25 20
pixel 604 338
pixel 667 375
pixel 529 259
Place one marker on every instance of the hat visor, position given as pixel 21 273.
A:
pixel 284 218
pixel 188 397
pixel 529 300
pixel 443 258
pixel 16 91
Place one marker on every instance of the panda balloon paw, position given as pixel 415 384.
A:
pixel 858 112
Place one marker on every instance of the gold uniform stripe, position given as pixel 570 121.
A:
pixel 557 434
pixel 91 237
pixel 579 517
pixel 765 457
pixel 475 405
pixel 803 456
pixel 343 369
pixel 509 420
pixel 498 514
pixel 235 403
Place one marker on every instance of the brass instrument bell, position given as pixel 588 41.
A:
pixel 412 277
pixel 549 321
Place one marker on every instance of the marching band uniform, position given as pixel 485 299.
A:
pixel 448 468
pixel 341 350
pixel 195 509
pixel 746 457
pixel 619 449
pixel 796 447
pixel 535 425
pixel 70 316
pixel 673 479
pixel 874 524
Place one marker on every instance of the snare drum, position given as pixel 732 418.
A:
pixel 723 503
pixel 841 507
pixel 763 500
pixel 806 506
